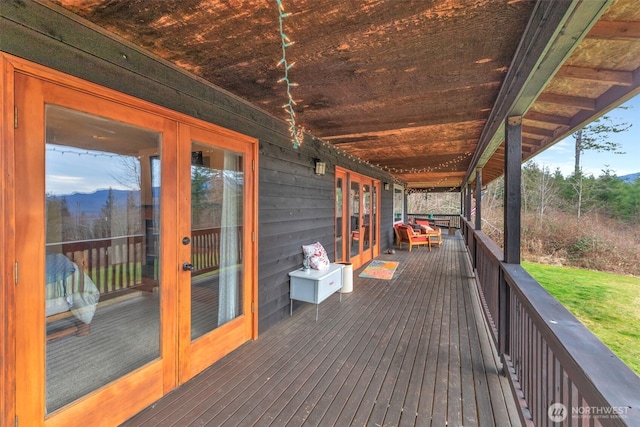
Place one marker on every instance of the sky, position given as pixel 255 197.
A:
pixel 562 155
pixel 69 172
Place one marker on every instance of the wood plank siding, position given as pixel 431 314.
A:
pixel 413 350
pixel 296 206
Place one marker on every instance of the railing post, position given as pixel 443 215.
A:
pixel 467 209
pixel 478 219
pixel 504 296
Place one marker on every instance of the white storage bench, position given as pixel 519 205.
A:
pixel 314 286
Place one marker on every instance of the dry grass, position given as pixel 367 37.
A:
pixel 560 239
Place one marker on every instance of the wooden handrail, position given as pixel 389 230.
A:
pixel 113 264
pixel 549 356
pixel 205 249
pixel 119 263
pixel 454 219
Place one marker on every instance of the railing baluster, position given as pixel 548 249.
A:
pixel 544 346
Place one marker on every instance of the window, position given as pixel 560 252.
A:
pixel 398 204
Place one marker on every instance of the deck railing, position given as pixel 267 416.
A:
pixel 559 371
pixel 113 264
pixel 205 249
pixel 120 263
pixel 453 219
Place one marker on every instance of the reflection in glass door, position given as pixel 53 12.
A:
pixel 340 180
pixel 374 218
pixel 101 254
pixel 366 217
pixel 217 188
pixel 355 233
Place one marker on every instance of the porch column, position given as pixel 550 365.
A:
pixel 512 196
pixel 479 199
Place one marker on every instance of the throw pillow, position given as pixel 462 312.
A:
pixel 317 256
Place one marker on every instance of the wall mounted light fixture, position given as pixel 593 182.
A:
pixel 386 186
pixel 321 167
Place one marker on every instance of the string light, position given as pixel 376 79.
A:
pixel 436 168
pixel 297 135
pixel 397 180
pixel 86 153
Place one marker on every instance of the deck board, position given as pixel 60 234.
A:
pixel 410 351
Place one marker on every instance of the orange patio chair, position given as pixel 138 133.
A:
pixel 434 234
pixel 405 234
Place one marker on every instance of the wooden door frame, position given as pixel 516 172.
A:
pixel 376 185
pixel 138 382
pixel 349 176
pixel 7 237
pixel 217 343
pixel 146 383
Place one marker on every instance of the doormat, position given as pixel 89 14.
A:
pixel 380 270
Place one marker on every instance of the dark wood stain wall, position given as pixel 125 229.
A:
pixel 295 206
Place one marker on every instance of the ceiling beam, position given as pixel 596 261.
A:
pixel 554 31
pixel 616 77
pixel 568 101
pixel 547 118
pixel 529 141
pixel 609 100
pixel 615 30
pixel 549 133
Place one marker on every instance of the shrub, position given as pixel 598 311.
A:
pixel 592 242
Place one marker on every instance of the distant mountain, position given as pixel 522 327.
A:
pixel 631 177
pixel 91 203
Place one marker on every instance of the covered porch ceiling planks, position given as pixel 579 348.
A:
pixel 601 72
pixel 419 88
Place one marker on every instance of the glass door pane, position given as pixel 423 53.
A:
pixel 217 188
pixel 101 265
pixel 366 217
pixel 339 219
pixel 374 215
pixel 355 218
pixel 398 204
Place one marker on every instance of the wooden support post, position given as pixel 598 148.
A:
pixel 478 199
pixel 512 195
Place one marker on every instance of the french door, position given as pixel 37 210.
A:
pixel 213 294
pixel 134 251
pixel 357 222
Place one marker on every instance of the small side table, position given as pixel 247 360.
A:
pixel 314 286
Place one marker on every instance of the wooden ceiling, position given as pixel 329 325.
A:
pixel 419 88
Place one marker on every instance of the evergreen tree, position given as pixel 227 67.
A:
pixel 595 136
pixel 628 202
pixel 102 225
pixel 59 221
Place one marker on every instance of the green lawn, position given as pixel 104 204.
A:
pixel 607 304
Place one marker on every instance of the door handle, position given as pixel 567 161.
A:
pixel 187 266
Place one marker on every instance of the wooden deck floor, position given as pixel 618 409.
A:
pixel 413 350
